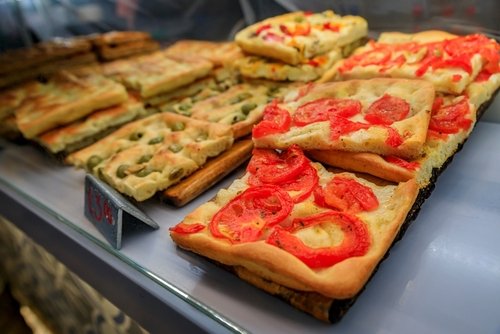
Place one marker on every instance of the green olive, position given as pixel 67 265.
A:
pixel 156 140
pixel 271 91
pixel 298 19
pixel 175 147
pixel 238 118
pixel 178 126
pixel 135 136
pixel 121 171
pixel 176 173
pixel 201 137
pixel 93 161
pixel 144 172
pixel 184 106
pixel 145 158
pixel 247 107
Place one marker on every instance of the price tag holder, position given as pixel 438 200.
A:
pixel 110 212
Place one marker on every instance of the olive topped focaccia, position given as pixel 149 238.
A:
pixel 383 116
pixel 300 36
pixel 151 154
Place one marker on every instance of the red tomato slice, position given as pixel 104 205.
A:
pixel 300 29
pixel 394 139
pixel 273 167
pixel 320 110
pixel 272 37
pixel 451 118
pixel 411 165
pixel 331 26
pixel 341 126
pixel 183 228
pixel 378 56
pixel 262 28
pixel 245 217
pixel 356 239
pixel 387 110
pixel 276 120
pixel 463 63
pixel 346 194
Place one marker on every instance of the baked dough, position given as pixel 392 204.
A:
pixel 63 99
pixel 412 129
pixel 341 280
pixel 218 53
pixel 156 73
pixel 322 33
pixel 151 154
pixel 482 89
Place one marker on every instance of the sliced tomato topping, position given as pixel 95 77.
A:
pixel 183 228
pixel 299 29
pixel 450 118
pixel 272 37
pixel 273 167
pixel 346 194
pixel 377 56
pixel 322 109
pixel 340 126
pixel 456 78
pixel 411 165
pixel 483 76
pixel 398 62
pixel 331 26
pixel 275 120
pixel 387 110
pixel 355 242
pixel 246 216
pixel 304 90
pixel 461 63
pixel 394 139
pixel 262 28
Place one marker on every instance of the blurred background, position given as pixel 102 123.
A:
pixel 23 22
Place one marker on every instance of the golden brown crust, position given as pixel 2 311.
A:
pixel 65 98
pixel 427 36
pixel 212 172
pixel 342 280
pixel 219 53
pixel 413 129
pixel 108 52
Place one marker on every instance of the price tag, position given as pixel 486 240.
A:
pixel 110 212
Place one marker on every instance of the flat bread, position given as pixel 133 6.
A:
pixel 297 243
pixel 118 37
pixel 296 37
pixel 218 53
pixel 63 99
pixel 151 154
pixel 310 70
pixel 450 62
pixel 156 73
pixel 66 138
pixel 438 148
pixel 345 116
pixel 111 52
pixel 483 88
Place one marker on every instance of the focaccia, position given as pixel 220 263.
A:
pixel 111 52
pixel 383 116
pixel 63 99
pixel 312 69
pixel 218 53
pixel 483 87
pixel 118 37
pixel 156 73
pixel 451 122
pixel 287 223
pixel 10 100
pixel 151 154
pixel 88 130
pixel 449 62
pixel 296 37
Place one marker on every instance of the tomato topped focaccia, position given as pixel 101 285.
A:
pixel 449 62
pixel 452 121
pixel 290 221
pixel 295 37
pixel 384 116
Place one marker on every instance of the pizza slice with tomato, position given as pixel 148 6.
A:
pixel 452 120
pixel 300 36
pixel 291 222
pixel 383 116
pixel 450 62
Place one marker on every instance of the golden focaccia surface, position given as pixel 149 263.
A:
pixel 438 147
pixel 59 139
pixel 312 69
pixel 295 37
pixel 339 280
pixel 63 99
pixel 151 154
pixel 110 52
pixel 156 73
pixel 482 88
pixel 355 134
pixel 450 62
pixel 218 53
pixel 118 37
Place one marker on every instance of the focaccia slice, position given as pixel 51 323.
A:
pixel 384 116
pixel 118 37
pixel 63 99
pixel 93 127
pixel 483 88
pixel 296 37
pixel 156 73
pixel 449 62
pixel 452 121
pixel 294 230
pixel 151 154
pixel 218 53
pixel 111 52
pixel 312 69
